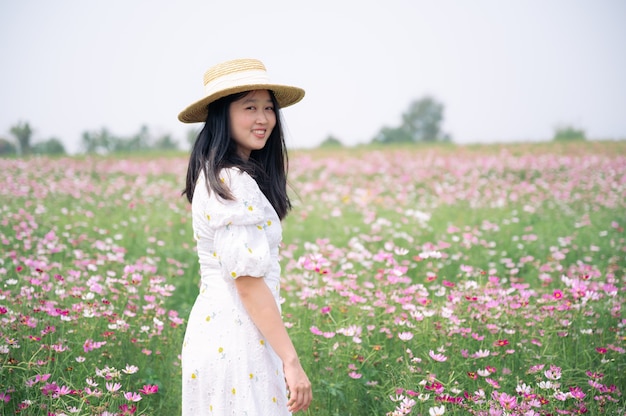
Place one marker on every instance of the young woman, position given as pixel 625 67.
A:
pixel 237 358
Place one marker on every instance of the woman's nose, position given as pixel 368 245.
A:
pixel 261 117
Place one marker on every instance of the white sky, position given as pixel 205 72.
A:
pixel 505 70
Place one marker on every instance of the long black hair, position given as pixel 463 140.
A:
pixel 214 150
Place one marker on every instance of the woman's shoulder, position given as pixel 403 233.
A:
pixel 238 180
pixel 244 208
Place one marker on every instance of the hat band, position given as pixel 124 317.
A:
pixel 236 79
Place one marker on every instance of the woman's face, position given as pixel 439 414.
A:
pixel 252 119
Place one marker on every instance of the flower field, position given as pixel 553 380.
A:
pixel 426 280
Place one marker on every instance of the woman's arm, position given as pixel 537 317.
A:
pixel 261 306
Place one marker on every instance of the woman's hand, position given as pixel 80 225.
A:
pixel 300 393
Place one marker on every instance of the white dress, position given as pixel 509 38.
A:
pixel 227 366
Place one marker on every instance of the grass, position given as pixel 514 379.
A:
pixel 417 280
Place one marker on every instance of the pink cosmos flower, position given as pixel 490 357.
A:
pixel 91 345
pixel 113 387
pixel 62 391
pixel 577 393
pixel 315 330
pixel 435 386
pixel 501 343
pixel 594 375
pixel 93 392
pixel 42 377
pixel 49 388
pixel 598 386
pixel 405 336
pixel 59 347
pixel 554 373
pixel 561 396
pixel 437 357
pixel 38 378
pixel 132 396
pixel 493 382
pixel 47 330
pixel 128 410
pixel 507 401
pixel 523 389
pixel 148 389
pixel 483 372
pixel 355 375
pixel 481 354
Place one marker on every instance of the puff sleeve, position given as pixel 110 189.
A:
pixel 240 242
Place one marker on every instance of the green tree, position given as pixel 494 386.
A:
pixel 165 142
pixel 98 141
pixel 52 146
pixel 568 133
pixel 7 147
pixel 420 123
pixel 23 134
pixel 393 135
pixel 140 141
pixel 89 142
pixel 331 141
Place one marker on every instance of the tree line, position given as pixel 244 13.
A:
pixel 22 132
pixel 92 142
pixel 420 123
pixel 103 142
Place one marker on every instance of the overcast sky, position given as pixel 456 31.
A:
pixel 505 70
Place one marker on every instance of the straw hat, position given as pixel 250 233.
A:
pixel 235 76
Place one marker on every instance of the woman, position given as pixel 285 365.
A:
pixel 237 358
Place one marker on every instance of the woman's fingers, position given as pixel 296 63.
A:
pixel 300 393
pixel 298 400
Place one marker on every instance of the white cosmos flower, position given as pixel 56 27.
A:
pixel 437 410
pixel 405 336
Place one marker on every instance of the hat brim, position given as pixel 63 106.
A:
pixel 197 112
